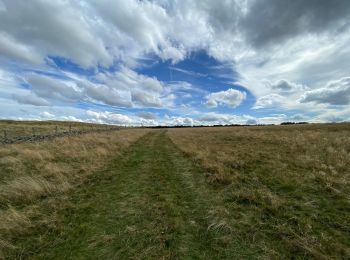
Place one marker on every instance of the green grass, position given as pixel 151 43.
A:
pixel 48 170
pixel 210 193
pixel 286 187
pixel 153 205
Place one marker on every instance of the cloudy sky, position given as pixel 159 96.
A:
pixel 172 62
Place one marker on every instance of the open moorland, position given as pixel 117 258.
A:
pixel 285 189
pixel 22 128
pixel 257 192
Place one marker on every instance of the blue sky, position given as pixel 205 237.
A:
pixel 175 62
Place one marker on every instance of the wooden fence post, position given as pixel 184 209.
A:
pixel 56 129
pixel 33 129
pixel 5 135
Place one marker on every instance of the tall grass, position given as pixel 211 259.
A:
pixel 24 128
pixel 286 188
pixel 30 172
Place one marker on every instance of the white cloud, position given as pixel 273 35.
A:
pixel 147 28
pixel 62 29
pixel 268 101
pixel 334 115
pixel 177 121
pixel 286 86
pixel 47 115
pixel 129 79
pixel 142 98
pixel 51 88
pixel 124 88
pixel 107 31
pixel 12 49
pixel 213 118
pixel 230 97
pixel 138 89
pixel 31 99
pixel 109 117
pixel 228 30
pixel 173 54
pixel 105 94
pixel 335 93
pixel 306 44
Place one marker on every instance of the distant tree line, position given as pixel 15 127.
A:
pixel 294 123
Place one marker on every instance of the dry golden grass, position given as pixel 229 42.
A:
pixel 31 171
pixel 23 128
pixel 286 187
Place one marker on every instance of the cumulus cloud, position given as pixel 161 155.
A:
pixel 109 117
pixel 124 88
pixel 120 119
pixel 267 101
pixel 178 121
pixel 57 31
pixel 172 53
pixel 291 44
pixel 104 94
pixel 50 88
pixel 139 90
pixel 335 93
pixel 125 79
pixel 147 29
pixel 106 30
pixel 142 98
pixel 286 86
pixel 230 97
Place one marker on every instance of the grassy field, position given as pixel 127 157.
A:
pixel 272 192
pixel 285 188
pixel 33 172
pixel 23 128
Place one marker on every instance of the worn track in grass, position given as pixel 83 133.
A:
pixel 154 204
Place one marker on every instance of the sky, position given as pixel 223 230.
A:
pixel 175 62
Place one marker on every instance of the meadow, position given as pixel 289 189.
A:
pixel 285 188
pixel 257 192
pixel 32 172
pixel 11 128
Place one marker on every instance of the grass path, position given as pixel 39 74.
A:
pixel 153 205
